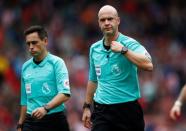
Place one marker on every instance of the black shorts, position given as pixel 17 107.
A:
pixel 118 117
pixel 51 122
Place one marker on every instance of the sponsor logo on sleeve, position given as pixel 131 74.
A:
pixel 98 70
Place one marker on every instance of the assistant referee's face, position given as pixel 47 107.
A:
pixel 36 46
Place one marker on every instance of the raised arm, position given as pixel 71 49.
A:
pixel 142 60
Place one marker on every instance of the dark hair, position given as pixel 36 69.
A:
pixel 42 33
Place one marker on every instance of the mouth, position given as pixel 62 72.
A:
pixel 32 52
pixel 108 29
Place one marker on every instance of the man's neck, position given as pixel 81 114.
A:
pixel 109 39
pixel 41 57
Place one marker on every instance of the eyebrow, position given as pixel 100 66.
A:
pixel 109 18
pixel 33 42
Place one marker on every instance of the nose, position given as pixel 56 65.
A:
pixel 106 22
pixel 30 45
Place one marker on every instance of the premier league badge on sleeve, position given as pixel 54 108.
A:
pixel 66 84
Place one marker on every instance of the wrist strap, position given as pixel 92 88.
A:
pixel 178 103
pixel 86 105
pixel 46 108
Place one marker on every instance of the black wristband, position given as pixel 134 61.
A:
pixel 46 108
pixel 19 126
pixel 86 105
pixel 124 50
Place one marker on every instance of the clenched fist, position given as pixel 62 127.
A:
pixel 116 46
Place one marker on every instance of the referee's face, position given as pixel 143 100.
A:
pixel 108 22
pixel 36 46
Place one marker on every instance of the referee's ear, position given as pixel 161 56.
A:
pixel 45 40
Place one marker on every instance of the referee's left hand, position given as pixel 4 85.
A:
pixel 38 113
pixel 87 118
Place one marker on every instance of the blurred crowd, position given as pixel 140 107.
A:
pixel 159 25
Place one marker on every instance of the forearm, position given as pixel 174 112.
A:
pixel 57 100
pixel 91 88
pixel 142 61
pixel 182 96
pixel 22 114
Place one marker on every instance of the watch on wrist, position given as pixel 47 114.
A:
pixel 124 50
pixel 46 108
pixel 19 126
pixel 86 105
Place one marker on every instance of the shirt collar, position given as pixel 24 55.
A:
pixel 102 41
pixel 42 63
